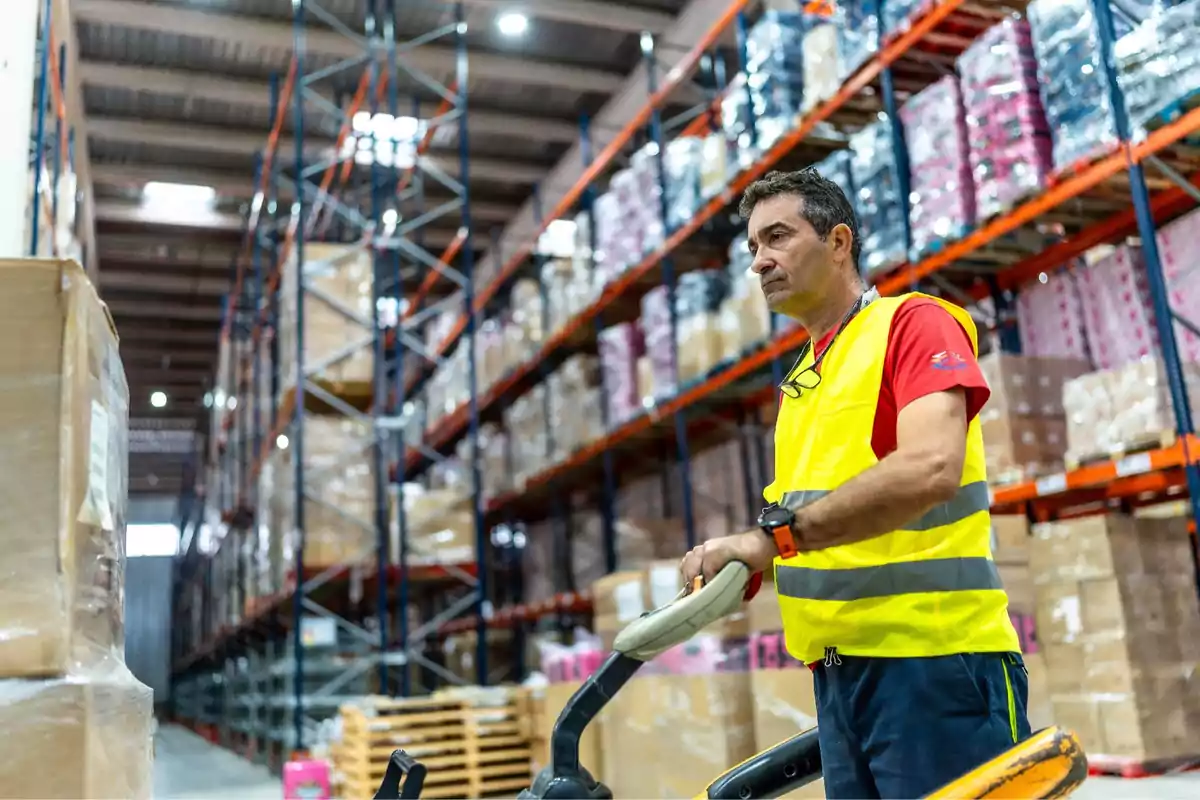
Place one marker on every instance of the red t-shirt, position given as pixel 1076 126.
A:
pixel 928 351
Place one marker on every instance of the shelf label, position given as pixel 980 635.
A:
pixel 1134 465
pixel 318 632
pixel 1052 484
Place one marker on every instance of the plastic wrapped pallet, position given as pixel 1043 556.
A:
pixel 941 191
pixel 1178 245
pixel 1050 318
pixel 1119 627
pixel 1118 313
pixel 1073 87
pixel 1006 125
pixel 821 78
pixel 775 73
pixel 1126 409
pixel 659 341
pixel 878 202
pixel 745 319
pixel 698 298
pixel 620 346
pixel 339 472
pixel 574 405
pixel 898 15
pixel 858 34
pixel 527 426
pixel 1157 65
pixel 340 279
pixel 682 164
pixel 64 421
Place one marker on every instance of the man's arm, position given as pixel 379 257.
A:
pixel 924 470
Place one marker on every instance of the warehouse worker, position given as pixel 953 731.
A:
pixel 878 526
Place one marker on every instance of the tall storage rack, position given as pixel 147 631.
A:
pixel 260 667
pixel 53 138
pixel 938 33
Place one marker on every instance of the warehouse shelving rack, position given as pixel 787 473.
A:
pixel 1165 473
pixel 274 634
pixel 50 94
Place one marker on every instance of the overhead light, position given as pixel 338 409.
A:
pixel 390 217
pixel 177 194
pixel 512 23
pixel 208 399
pixel 158 399
pixel 281 441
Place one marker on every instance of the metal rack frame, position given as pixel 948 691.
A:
pixel 1158 472
pixel 50 95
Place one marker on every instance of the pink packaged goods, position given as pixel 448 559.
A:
pixel 620 347
pixel 942 196
pixel 1179 249
pixel 657 335
pixel 1050 318
pixel 1010 140
pixel 1117 310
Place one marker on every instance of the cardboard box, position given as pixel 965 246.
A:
pixel 64 420
pixel 1010 539
pixel 677 733
pixel 1118 633
pixel 784 705
pixel 77 738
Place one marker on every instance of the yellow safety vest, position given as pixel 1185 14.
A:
pixel 928 589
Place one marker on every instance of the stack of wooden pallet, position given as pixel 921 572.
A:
pixel 473 743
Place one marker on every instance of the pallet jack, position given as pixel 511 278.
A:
pixel 1050 764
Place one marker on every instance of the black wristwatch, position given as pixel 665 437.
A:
pixel 776 522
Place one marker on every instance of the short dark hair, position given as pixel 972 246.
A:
pixel 825 205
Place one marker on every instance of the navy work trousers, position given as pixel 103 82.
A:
pixel 900 728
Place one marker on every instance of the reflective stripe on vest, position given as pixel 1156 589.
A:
pixel 970 499
pixel 886 580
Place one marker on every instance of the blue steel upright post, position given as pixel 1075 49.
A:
pixel 296 440
pixel 468 268
pixel 1172 363
pixel 609 491
pixel 668 271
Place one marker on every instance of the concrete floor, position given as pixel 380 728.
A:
pixel 188 767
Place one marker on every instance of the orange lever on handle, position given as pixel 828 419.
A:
pixel 697 583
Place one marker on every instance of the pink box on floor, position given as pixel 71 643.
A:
pixel 306 780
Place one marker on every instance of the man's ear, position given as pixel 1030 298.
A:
pixel 841 240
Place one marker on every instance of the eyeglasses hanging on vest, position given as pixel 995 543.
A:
pixel 809 378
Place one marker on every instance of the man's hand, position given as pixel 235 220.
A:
pixel 752 548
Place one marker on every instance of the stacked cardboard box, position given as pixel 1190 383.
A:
pixel 1123 409
pixel 1023 422
pixel 339 281
pixel 1119 624
pixel 78 722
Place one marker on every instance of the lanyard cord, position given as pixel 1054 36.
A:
pixel 864 299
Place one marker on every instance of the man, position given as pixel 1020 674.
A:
pixel 879 529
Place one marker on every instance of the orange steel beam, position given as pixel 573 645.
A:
pixel 347 125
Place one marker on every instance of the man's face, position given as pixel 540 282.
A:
pixel 793 265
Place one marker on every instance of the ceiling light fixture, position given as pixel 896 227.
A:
pixel 158 399
pixel 512 23
pixel 178 194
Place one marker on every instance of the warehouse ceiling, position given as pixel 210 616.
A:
pixel 178 91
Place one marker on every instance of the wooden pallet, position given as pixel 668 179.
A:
pixel 1155 440
pixel 468 749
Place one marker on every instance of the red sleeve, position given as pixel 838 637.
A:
pixel 928 352
pixel 756 581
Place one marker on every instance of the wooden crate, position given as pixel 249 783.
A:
pixel 470 746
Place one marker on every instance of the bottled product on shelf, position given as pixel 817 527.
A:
pixel 1156 63
pixel 774 71
pixel 1073 88
pixel 875 173
pixel 1124 409
pixel 821 78
pixel 682 167
pixel 941 190
pixel 858 34
pixel 898 14
pixel 1006 126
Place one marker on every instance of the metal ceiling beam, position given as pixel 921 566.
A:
pixel 241 186
pixel 133 248
pixel 609 16
pixel 144 356
pixel 158 214
pixel 182 311
pixel 165 375
pixel 173 283
pixel 253 33
pixel 256 94
pixel 246 143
